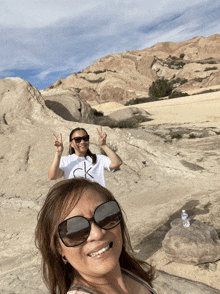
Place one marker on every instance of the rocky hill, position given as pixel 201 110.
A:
pixel 124 76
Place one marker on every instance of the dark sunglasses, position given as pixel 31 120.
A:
pixel 75 230
pixel 79 139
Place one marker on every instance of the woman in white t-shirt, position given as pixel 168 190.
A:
pixel 81 162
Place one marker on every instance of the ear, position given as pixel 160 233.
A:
pixel 64 259
pixel 60 249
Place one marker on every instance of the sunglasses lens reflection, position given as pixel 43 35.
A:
pixel 74 231
pixel 79 139
pixel 108 215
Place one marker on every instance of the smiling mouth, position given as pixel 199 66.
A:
pixel 101 251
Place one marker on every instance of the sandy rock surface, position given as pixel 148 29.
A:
pixel 160 175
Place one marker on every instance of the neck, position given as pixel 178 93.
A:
pixel 79 154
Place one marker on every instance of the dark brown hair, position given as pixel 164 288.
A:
pixel 72 151
pixel 60 201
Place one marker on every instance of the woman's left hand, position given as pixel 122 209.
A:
pixel 102 137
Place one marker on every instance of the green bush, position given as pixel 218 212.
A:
pixel 176 94
pixel 180 64
pixel 183 81
pixel 211 62
pixel 141 100
pixel 160 88
pixel 210 68
pixel 199 79
pixel 182 55
pixel 177 136
pixel 192 136
pixel 207 91
pixel 99 71
pixel 178 81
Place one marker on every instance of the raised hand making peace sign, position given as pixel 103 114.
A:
pixel 101 136
pixel 58 143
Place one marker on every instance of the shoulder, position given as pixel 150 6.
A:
pixel 79 289
pixel 138 279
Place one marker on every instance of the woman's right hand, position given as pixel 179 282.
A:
pixel 58 143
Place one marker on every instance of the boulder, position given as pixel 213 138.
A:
pixel 127 113
pixel 169 284
pixel 196 244
pixel 20 101
pixel 68 104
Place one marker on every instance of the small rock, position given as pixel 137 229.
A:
pixel 213 267
pixel 194 245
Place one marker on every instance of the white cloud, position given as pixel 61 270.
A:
pixel 69 35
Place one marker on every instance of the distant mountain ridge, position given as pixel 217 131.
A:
pixel 124 76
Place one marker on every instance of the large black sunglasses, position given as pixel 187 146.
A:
pixel 79 139
pixel 75 230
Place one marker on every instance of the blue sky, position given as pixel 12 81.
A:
pixel 44 40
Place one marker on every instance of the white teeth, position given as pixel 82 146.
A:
pixel 99 252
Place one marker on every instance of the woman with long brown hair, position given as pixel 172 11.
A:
pixel 81 162
pixel 84 242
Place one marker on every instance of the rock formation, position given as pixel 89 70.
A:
pixel 125 76
pixel 197 244
pixel 68 105
pixel 151 185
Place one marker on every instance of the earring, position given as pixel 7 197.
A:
pixel 64 259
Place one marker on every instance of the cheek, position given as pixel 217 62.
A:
pixel 118 237
pixel 73 255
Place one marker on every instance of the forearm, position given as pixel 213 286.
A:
pixel 115 159
pixel 54 173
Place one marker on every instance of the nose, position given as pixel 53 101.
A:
pixel 96 233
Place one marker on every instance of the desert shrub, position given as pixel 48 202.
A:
pixel 210 68
pixel 183 81
pixel 141 100
pixel 176 136
pixel 207 91
pixel 174 61
pixel 182 55
pixel 192 136
pixel 99 71
pixel 177 94
pixel 178 80
pixel 95 81
pixel 212 62
pixel 198 80
pixel 160 88
pixel 180 64
pixel 97 113
pixel 77 90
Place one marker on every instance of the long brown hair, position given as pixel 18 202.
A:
pixel 60 201
pixel 72 150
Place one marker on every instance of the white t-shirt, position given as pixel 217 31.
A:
pixel 81 167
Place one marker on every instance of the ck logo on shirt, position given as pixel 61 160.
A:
pixel 83 173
